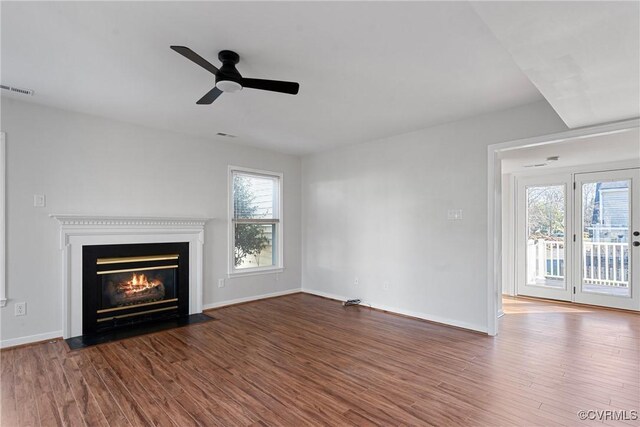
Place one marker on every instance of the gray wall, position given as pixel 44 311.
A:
pixel 89 165
pixel 378 211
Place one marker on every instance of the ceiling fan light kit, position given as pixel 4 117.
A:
pixel 229 79
pixel 228 86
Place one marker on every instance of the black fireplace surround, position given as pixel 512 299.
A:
pixel 123 285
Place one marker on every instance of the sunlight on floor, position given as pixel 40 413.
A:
pixel 513 305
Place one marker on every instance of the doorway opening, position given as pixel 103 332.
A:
pixel 579 155
pixel 570 222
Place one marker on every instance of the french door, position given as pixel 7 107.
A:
pixel 543 224
pixel 578 238
pixel 607 248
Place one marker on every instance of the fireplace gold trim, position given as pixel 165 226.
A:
pixel 127 270
pixel 127 307
pixel 138 313
pixel 103 261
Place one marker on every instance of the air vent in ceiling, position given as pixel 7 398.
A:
pixel 17 90
pixel 539 165
pixel 226 135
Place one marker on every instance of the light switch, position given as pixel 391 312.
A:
pixel 39 200
pixel 454 214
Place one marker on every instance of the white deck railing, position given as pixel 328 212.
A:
pixel 602 263
pixel 606 263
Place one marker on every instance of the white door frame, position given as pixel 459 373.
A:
pixel 509 244
pixel 494 201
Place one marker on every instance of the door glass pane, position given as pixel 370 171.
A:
pixel 605 238
pixel 545 253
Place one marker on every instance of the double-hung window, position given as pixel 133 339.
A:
pixel 256 221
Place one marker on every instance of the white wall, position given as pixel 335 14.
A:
pixel 89 165
pixel 378 211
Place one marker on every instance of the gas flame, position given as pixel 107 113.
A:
pixel 138 283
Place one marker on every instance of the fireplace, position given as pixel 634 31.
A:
pixel 133 283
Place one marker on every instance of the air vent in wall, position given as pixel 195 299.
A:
pixel 17 90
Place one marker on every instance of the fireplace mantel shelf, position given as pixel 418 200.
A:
pixel 102 220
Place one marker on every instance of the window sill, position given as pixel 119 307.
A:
pixel 255 272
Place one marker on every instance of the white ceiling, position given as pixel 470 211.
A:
pixel 601 149
pixel 583 57
pixel 366 70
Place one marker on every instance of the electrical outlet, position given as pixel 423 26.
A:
pixel 356 281
pixel 21 308
pixel 39 200
pixel 386 286
pixel 221 283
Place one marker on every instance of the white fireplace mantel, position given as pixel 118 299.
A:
pixel 77 231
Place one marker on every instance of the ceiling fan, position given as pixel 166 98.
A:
pixel 228 79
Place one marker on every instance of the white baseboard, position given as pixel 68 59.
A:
pixel 437 319
pixel 325 294
pixel 12 342
pixel 418 315
pixel 500 313
pixel 251 298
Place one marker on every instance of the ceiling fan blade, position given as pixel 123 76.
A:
pixel 272 85
pixel 191 55
pixel 210 96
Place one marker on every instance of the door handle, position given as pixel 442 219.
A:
pixel 636 243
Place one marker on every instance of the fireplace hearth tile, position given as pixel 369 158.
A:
pixel 84 341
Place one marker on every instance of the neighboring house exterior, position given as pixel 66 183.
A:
pixel 610 219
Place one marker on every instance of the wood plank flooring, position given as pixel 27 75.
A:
pixel 303 360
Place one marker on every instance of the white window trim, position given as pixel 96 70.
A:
pixel 232 272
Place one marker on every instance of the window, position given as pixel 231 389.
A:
pixel 256 221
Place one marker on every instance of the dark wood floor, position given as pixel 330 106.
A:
pixel 303 360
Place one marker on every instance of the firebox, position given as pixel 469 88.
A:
pixel 134 283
